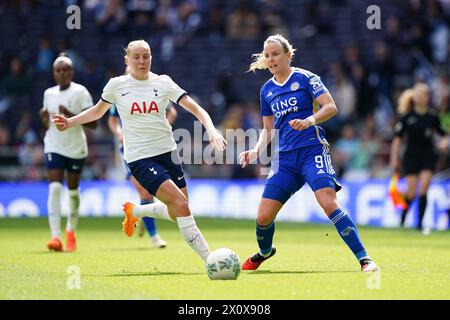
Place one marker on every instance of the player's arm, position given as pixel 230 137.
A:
pixel 92 114
pixel 395 154
pixel 63 110
pixel 327 111
pixel 399 131
pixel 172 114
pixel 115 127
pixel 443 144
pixel 45 118
pixel 215 138
pixel 266 136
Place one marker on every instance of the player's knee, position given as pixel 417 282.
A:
pixel 55 188
pixel 181 207
pixel 264 219
pixel 328 204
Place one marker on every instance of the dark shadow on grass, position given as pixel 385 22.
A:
pixel 299 272
pixel 149 248
pixel 49 252
pixel 144 274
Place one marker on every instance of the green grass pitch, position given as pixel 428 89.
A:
pixel 312 262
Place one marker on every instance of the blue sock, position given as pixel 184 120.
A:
pixel 148 221
pixel 347 230
pixel 264 236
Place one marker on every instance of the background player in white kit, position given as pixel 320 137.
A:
pixel 141 98
pixel 64 151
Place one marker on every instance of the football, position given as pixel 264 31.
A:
pixel 223 264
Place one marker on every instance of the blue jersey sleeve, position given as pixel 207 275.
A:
pixel 315 86
pixel 265 108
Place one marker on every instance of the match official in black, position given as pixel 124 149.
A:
pixel 416 130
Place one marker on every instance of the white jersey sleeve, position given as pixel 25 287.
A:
pixel 109 91
pixel 45 102
pixel 175 93
pixel 85 99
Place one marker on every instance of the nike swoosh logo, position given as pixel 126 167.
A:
pixel 124 94
pixel 195 238
pixel 179 178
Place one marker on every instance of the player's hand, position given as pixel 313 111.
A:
pixel 395 166
pixel 61 122
pixel 217 140
pixel 299 124
pixel 246 157
pixel 443 145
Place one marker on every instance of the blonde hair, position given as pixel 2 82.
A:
pixel 135 43
pixel 405 101
pixel 259 60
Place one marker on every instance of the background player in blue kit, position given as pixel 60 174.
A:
pixel 146 198
pixel 287 103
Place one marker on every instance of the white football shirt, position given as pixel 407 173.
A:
pixel 70 143
pixel 141 105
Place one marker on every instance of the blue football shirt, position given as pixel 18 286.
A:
pixel 293 99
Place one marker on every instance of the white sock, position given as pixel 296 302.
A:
pixel 74 201
pixel 54 208
pixel 156 210
pixel 193 236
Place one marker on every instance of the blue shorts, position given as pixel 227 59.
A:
pixel 291 169
pixel 152 172
pixel 57 161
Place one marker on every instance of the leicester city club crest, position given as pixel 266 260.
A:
pixel 295 86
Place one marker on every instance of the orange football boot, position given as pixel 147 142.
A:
pixel 55 245
pixel 129 221
pixel 71 243
pixel 255 261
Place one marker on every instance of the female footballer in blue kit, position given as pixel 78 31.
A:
pixel 287 103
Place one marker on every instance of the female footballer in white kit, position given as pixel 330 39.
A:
pixel 64 151
pixel 141 98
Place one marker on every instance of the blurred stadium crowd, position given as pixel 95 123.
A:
pixel 206 47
